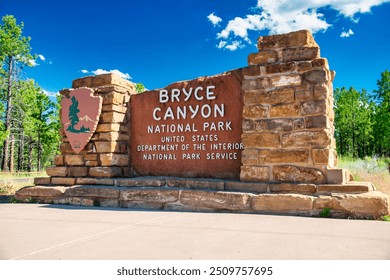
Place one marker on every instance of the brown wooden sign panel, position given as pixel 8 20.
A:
pixel 189 129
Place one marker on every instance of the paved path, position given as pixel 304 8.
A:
pixel 36 231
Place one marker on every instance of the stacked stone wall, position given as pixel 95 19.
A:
pixel 288 112
pixel 107 153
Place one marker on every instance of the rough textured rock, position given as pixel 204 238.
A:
pixel 93 191
pixel 61 181
pixel 215 200
pixel 159 196
pixel 255 173
pixel 291 173
pixel 373 204
pixel 105 172
pixel 40 191
pixel 57 171
pixel 279 203
pixel 141 182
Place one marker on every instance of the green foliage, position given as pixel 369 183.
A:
pixel 29 120
pixel 13 45
pixel 73 114
pixel 325 213
pixel 140 87
pixel 362 121
pixel 386 218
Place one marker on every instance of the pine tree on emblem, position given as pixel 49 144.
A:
pixel 73 118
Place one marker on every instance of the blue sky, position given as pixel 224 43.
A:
pixel 160 42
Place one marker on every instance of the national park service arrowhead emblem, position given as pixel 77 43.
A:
pixel 80 116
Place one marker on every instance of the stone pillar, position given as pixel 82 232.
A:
pixel 107 153
pixel 288 112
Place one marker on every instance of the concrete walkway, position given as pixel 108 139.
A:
pixel 36 231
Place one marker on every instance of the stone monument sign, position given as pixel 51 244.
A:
pixel 259 139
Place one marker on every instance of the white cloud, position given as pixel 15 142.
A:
pixel 41 57
pixel 214 19
pixel 281 16
pixel 101 71
pixel 234 46
pixel 346 34
pixel 50 93
pixel 221 44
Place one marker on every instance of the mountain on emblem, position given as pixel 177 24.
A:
pixel 80 116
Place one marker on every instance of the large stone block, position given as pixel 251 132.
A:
pixel 262 57
pixel 371 204
pixel 74 160
pixel 61 181
pixel 313 107
pixel 105 172
pixel 287 156
pixel 107 147
pixel 78 171
pixel 282 203
pixel 215 200
pixel 112 117
pixel 213 184
pixel 94 181
pixel 42 181
pixel 278 68
pixel 260 140
pixel 292 39
pixel 285 124
pixel 61 171
pixel 283 95
pixel 293 188
pixel 306 138
pixel 254 112
pixel 246 187
pixel 285 110
pixel 114 108
pixel 105 192
pixel 321 121
pixel 103 80
pixel 324 156
pixel 300 53
pixel 59 160
pixel 110 159
pixel 108 127
pixel 160 196
pixel 251 71
pixel 142 205
pixel 141 182
pixel 250 157
pixel 255 84
pixel 316 76
pixel 295 174
pixel 40 191
pixel 350 187
pixel 247 125
pixel 255 173
pixel 286 80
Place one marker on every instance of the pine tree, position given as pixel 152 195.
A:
pixel 73 117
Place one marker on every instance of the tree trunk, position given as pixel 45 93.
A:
pixel 20 151
pixel 11 158
pixel 30 157
pixel 5 166
pixel 39 151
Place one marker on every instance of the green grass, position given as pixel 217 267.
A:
pixel 8 175
pixel 373 170
pixel 386 218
